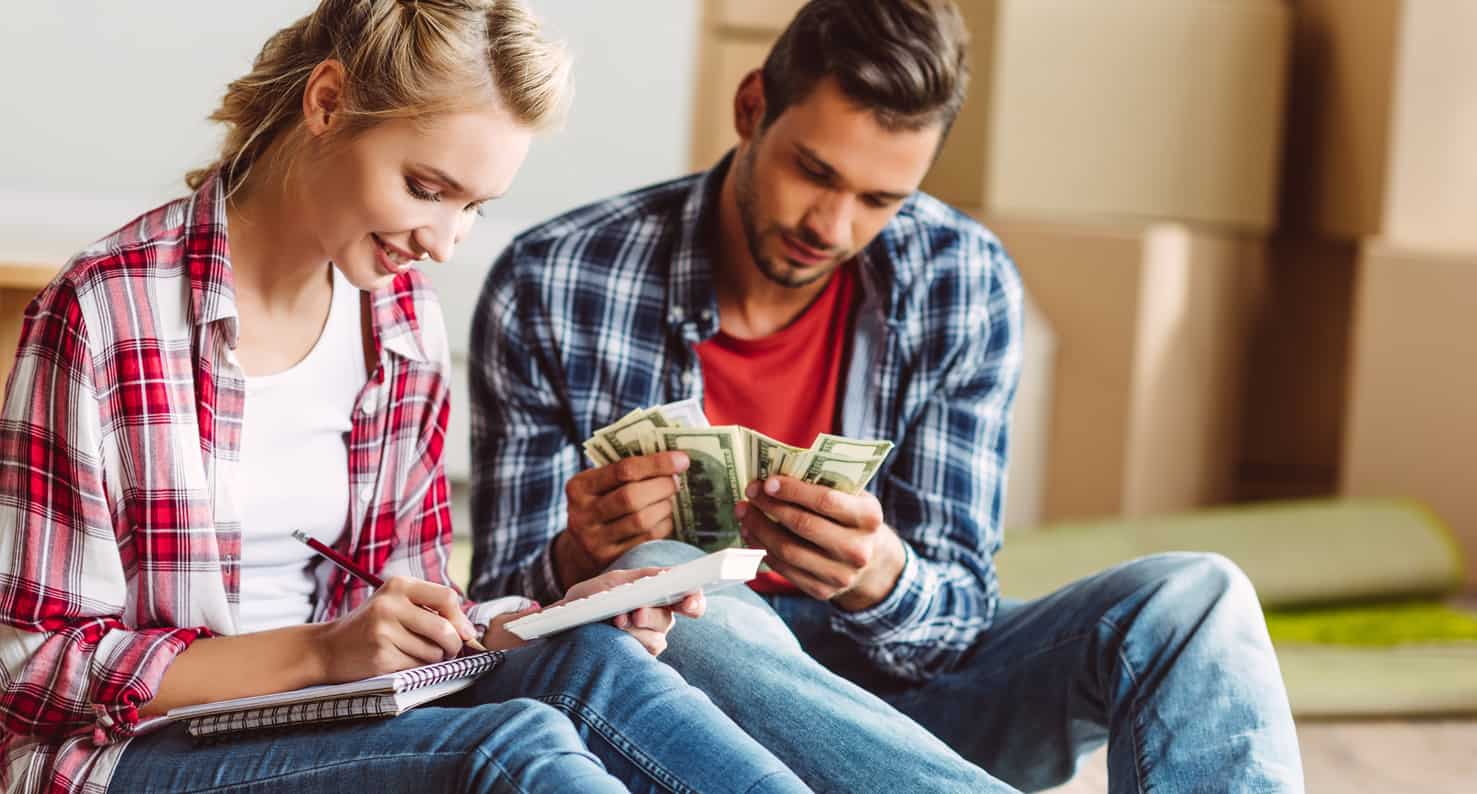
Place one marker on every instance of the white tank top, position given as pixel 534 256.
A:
pixel 295 467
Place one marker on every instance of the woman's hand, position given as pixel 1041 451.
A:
pixel 498 638
pixel 406 623
pixel 649 625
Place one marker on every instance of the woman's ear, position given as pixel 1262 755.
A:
pixel 322 96
pixel 748 105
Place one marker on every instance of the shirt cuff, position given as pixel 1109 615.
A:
pixel 481 614
pixel 900 609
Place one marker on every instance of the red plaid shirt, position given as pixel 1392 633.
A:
pixel 120 500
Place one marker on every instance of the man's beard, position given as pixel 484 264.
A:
pixel 743 190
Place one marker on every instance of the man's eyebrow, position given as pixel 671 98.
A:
pixel 830 170
pixel 819 161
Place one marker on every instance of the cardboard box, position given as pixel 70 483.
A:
pixel 1298 372
pixel 1081 109
pixel 1381 120
pixel 725 61
pixel 1412 416
pixel 1152 322
pixel 1132 109
pixel 762 15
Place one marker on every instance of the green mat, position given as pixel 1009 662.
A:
pixel 1374 625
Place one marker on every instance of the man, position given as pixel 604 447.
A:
pixel 804 286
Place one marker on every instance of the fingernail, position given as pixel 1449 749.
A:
pixel 740 510
pixel 680 461
pixel 752 491
pixel 772 486
pixel 621 621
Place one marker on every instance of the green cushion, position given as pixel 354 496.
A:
pixel 1296 553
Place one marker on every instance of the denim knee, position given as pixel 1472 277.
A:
pixel 1194 584
pixel 520 739
pixel 656 553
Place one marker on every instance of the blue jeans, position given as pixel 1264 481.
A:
pixel 588 711
pixel 1166 658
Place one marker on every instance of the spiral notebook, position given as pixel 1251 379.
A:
pixel 380 696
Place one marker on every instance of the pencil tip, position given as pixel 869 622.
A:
pixel 300 535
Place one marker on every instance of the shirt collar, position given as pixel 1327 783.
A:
pixel 207 258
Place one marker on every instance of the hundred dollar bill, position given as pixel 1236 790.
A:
pixel 848 475
pixel 765 456
pixel 624 437
pixel 635 433
pixel 850 448
pixel 710 487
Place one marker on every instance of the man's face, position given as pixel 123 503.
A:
pixel 817 184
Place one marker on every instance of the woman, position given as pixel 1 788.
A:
pixel 262 357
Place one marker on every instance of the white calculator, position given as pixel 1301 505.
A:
pixel 709 573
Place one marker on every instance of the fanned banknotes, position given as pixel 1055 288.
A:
pixel 725 459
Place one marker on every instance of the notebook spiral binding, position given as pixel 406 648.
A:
pixel 222 726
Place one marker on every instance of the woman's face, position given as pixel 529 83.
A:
pixel 402 190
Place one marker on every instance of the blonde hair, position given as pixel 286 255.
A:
pixel 402 59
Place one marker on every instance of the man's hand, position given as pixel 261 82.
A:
pixel 614 508
pixel 649 625
pixel 832 545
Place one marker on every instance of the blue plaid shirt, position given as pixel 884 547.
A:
pixel 597 312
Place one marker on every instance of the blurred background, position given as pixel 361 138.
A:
pixel 1248 231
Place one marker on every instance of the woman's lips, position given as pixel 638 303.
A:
pixel 394 266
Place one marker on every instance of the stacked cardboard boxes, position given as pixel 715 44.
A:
pixel 1362 375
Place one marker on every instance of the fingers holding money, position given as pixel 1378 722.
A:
pixel 832 545
pixel 614 508
pixel 805 564
pixel 859 511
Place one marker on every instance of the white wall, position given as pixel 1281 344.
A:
pixel 106 105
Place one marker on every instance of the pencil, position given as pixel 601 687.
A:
pixel 353 569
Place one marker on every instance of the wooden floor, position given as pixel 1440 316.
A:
pixel 1383 757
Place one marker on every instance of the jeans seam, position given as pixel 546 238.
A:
pixel 761 781
pixel 1133 726
pixel 280 776
pixel 492 761
pixel 578 709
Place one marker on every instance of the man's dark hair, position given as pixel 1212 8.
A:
pixel 902 59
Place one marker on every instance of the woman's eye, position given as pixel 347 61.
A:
pixel 477 208
pixel 420 192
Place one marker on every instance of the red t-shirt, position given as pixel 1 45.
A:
pixel 785 385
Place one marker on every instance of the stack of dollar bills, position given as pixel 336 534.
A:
pixel 724 460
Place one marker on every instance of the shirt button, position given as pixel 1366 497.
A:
pixel 369 404
pixel 366 493
pixel 677 313
pixel 687 378
pixel 707 315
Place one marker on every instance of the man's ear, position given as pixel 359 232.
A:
pixel 323 95
pixel 748 105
